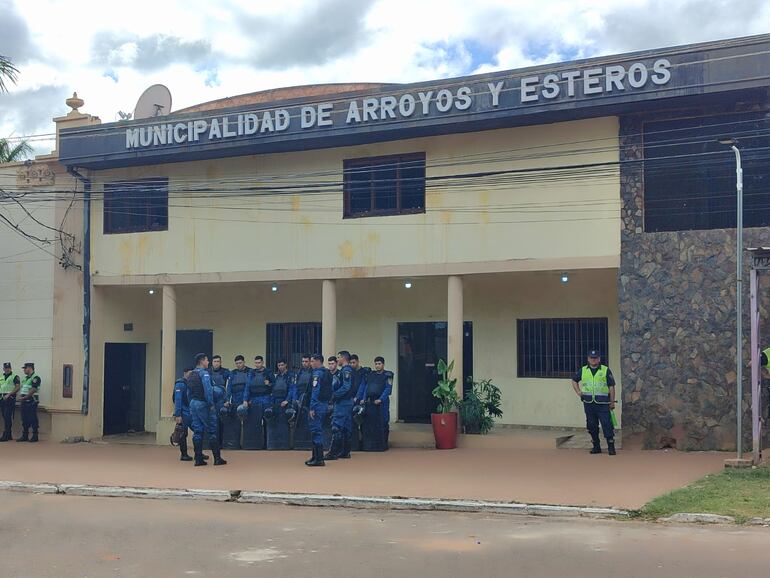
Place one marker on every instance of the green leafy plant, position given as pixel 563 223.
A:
pixel 480 406
pixel 445 392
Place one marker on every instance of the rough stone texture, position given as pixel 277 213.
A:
pixel 677 322
pixel 699 519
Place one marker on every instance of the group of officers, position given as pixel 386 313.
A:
pixel 25 390
pixel 341 407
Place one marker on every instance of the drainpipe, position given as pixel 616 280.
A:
pixel 86 283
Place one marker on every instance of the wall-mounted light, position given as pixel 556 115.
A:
pixel 407 284
pixel 274 288
pixel 564 278
pixel 151 291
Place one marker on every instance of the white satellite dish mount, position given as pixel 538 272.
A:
pixel 155 101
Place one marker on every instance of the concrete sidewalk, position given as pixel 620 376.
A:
pixel 535 476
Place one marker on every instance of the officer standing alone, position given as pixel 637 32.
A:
pixel 28 396
pixel 595 386
pixel 9 387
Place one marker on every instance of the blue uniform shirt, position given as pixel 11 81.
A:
pixel 208 389
pixel 343 384
pixel 181 401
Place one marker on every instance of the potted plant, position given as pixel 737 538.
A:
pixel 480 406
pixel 444 421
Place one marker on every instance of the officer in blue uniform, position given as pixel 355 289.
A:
pixel 376 391
pixel 303 382
pixel 342 414
pixel 276 420
pixel 594 384
pixel 284 388
pixel 9 387
pixel 260 385
pixel 359 380
pixel 182 411
pixel 219 376
pixel 236 384
pixel 204 419
pixel 320 395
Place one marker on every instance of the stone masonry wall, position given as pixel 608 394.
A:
pixel 677 316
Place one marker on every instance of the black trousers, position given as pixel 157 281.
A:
pixel 9 407
pixel 29 415
pixel 599 413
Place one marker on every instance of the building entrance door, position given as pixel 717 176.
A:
pixel 124 381
pixel 420 346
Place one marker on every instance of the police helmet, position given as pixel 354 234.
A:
pixel 358 414
pixel 224 411
pixel 291 414
pixel 269 413
pixel 242 411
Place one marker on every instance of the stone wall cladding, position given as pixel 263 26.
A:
pixel 677 321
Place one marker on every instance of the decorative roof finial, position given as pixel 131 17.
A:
pixel 74 103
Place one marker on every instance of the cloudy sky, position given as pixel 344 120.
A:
pixel 110 51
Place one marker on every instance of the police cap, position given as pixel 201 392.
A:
pixel 7 365
pixel 29 364
pixel 593 353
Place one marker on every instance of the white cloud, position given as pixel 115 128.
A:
pixel 206 50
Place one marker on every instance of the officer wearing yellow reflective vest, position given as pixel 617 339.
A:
pixel 595 386
pixel 28 398
pixel 9 387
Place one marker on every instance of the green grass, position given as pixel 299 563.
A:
pixel 743 494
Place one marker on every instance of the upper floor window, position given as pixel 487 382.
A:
pixel 136 206
pixel 689 177
pixel 391 185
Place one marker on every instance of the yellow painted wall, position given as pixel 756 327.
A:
pixel 218 233
pixel 368 313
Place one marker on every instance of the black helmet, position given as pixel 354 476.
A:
pixel 291 414
pixel 224 411
pixel 269 413
pixel 180 432
pixel 358 414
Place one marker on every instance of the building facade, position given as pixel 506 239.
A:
pixel 508 221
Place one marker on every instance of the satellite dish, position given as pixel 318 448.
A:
pixel 155 101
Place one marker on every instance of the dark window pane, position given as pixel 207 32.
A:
pixel 384 185
pixel 136 206
pixel 556 348
pixel 689 178
pixel 291 341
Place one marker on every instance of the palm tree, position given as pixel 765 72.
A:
pixel 9 154
pixel 7 72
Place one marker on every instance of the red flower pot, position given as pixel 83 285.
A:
pixel 445 430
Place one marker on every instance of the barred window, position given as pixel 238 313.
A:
pixel 556 348
pixel 136 206
pixel 392 185
pixel 290 341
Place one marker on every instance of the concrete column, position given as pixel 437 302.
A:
pixel 455 328
pixel 329 318
pixel 168 350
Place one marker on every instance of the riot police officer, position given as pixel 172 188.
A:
pixel 182 411
pixel 303 383
pixel 259 387
pixel 277 427
pixel 236 384
pixel 375 392
pixel 359 378
pixel 342 394
pixel 9 387
pixel 219 376
pixel 28 396
pixel 204 419
pixel 320 395
pixel 595 386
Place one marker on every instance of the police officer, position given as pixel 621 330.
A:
pixel 260 385
pixel 204 419
pixel 320 395
pixel 9 387
pixel 237 381
pixel 219 376
pixel 284 388
pixel 28 396
pixel 359 377
pixel 595 386
pixel 376 390
pixel 303 382
pixel 342 414
pixel 182 411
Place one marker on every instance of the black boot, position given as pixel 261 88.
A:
pixel 335 448
pixel 311 461
pixel 345 453
pixel 34 436
pixel 24 436
pixel 318 456
pixel 597 449
pixel 6 436
pixel 218 461
pixel 611 448
pixel 198 450
pixel 185 457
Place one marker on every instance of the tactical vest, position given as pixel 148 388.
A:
pixel 218 378
pixel 304 383
pixel 281 385
pixel 26 385
pixel 324 379
pixel 195 389
pixel 238 381
pixel 593 387
pixel 258 387
pixel 6 383
pixel 376 383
